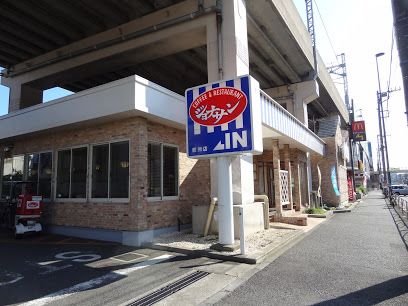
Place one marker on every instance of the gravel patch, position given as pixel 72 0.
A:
pixel 254 243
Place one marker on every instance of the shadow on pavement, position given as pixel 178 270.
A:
pixel 400 224
pixel 372 295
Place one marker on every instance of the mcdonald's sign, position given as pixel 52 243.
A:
pixel 358 129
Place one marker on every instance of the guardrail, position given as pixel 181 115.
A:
pixel 402 203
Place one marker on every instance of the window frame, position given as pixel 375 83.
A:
pixel 12 166
pixel 1 176
pixel 108 200
pixel 79 200
pixel 38 173
pixel 162 197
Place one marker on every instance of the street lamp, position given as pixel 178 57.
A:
pixel 383 135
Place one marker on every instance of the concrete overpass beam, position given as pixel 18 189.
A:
pixel 168 31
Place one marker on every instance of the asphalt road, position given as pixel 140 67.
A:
pixel 357 258
pixel 57 270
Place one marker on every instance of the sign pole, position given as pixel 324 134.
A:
pixel 225 208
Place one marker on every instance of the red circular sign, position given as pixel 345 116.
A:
pixel 218 106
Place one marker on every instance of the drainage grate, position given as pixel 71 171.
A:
pixel 170 289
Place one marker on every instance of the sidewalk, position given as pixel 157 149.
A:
pixel 358 258
pixel 257 246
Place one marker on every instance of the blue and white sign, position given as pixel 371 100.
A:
pixel 224 118
pixel 334 181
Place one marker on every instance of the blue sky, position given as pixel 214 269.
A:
pixel 360 29
pixel 4 94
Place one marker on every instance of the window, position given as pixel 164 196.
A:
pixel 162 170
pixel 110 170
pixel 39 170
pixel 71 173
pixel 13 168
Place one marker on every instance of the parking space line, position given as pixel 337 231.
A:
pixel 109 277
pixel 138 256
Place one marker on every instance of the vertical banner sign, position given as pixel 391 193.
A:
pixel 358 129
pixel 224 118
pixel 334 181
pixel 350 188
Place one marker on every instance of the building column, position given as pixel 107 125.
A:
pixel 304 93
pixel 297 191
pixel 286 160
pixel 309 177
pixel 22 96
pixel 276 176
pixel 296 97
pixel 227 58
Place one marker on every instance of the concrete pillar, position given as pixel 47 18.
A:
pixel 309 176
pixel 286 160
pixel 276 176
pixel 227 58
pixel 22 96
pixel 297 191
pixel 303 94
pixel 296 97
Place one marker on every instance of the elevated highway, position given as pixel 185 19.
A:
pixel 81 44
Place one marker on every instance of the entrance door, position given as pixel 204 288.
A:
pixel 265 181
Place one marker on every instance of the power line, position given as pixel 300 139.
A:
pixel 389 76
pixel 392 48
pixel 327 33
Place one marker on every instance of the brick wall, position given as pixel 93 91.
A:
pixel 138 213
pixel 326 163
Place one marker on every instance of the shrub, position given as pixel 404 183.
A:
pixel 315 211
pixel 361 189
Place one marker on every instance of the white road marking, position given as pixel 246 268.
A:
pixel 45 263
pixel 15 277
pixel 64 293
pixel 52 269
pixel 76 257
pixel 141 256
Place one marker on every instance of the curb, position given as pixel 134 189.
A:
pixel 326 215
pixel 339 211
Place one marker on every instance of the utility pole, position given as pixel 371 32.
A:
pixel 334 69
pixel 385 134
pixel 385 146
pixel 381 124
pixel 351 117
pixel 381 144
